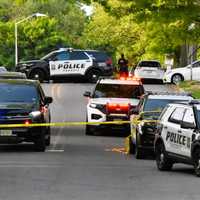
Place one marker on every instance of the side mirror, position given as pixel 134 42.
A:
pixel 48 100
pixel 186 125
pixel 87 94
pixel 134 111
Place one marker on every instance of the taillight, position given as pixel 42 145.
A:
pixel 27 122
pixel 109 61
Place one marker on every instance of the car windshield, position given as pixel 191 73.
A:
pixel 159 104
pixel 117 91
pixel 149 64
pixel 18 93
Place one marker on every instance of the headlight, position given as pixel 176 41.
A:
pixel 92 105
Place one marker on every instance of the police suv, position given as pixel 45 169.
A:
pixel 112 100
pixel 178 136
pixel 65 62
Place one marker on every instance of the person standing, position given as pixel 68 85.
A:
pixel 123 65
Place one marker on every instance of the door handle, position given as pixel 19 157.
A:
pixel 66 62
pixel 165 127
pixel 179 131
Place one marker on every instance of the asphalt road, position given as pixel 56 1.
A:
pixel 79 167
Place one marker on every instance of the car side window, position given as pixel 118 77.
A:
pixel 63 55
pixel 197 64
pixel 189 117
pixel 78 55
pixel 163 112
pixel 177 115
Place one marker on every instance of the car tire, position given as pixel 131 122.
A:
pixel 139 153
pixel 37 74
pixel 177 78
pixel 92 75
pixel 40 143
pixel 88 130
pixel 48 140
pixel 129 146
pixel 162 162
pixel 196 158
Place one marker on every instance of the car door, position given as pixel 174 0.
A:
pixel 60 64
pixel 187 133
pixel 196 71
pixel 171 130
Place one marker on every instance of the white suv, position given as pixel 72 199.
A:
pixel 112 100
pixel 149 70
pixel 178 136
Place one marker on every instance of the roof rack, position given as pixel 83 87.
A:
pixel 168 93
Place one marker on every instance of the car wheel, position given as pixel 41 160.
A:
pixel 37 75
pixel 197 162
pixel 129 147
pixel 93 76
pixel 88 130
pixel 48 139
pixel 139 153
pixel 40 143
pixel 163 163
pixel 176 79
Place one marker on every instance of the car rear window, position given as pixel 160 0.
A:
pixel 18 93
pixel 99 56
pixel 118 91
pixel 149 64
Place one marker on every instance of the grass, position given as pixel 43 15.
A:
pixel 191 86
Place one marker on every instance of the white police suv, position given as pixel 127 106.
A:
pixel 178 136
pixel 65 62
pixel 112 100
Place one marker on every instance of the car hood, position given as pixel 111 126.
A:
pixel 104 101
pixel 15 109
pixel 30 62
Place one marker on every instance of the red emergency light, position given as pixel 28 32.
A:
pixel 115 107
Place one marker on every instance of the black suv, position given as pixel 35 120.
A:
pixel 144 120
pixel 24 102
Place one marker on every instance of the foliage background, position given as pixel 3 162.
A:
pixel 141 29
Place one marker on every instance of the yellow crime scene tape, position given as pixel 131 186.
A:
pixel 57 124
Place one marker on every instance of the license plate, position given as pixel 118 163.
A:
pixel 6 133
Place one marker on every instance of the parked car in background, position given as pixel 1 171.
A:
pixel 190 72
pixel 65 62
pixel 3 69
pixel 149 70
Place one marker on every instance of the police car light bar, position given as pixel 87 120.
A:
pixel 117 107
